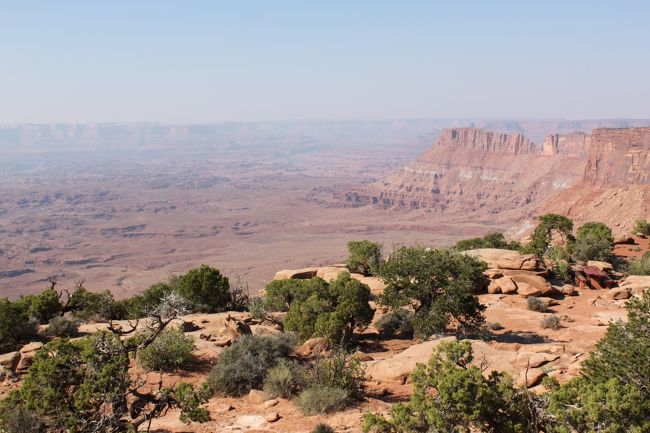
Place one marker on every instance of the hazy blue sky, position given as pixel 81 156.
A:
pixel 195 61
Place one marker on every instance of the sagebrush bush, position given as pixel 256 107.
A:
pixel 63 327
pixel 284 380
pixel 171 350
pixel 640 266
pixel 338 370
pixel 244 365
pixel 321 399
pixel 537 304
pixel 398 321
pixel 20 420
pixel 551 322
pixel 257 308
pixel 322 428
pixel 642 226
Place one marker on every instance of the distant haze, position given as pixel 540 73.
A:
pixel 201 61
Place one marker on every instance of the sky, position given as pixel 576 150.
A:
pixel 190 61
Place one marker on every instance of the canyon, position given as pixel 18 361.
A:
pixel 486 176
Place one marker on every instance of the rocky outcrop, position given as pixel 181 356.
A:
pixel 482 173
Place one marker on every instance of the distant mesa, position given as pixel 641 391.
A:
pixel 505 177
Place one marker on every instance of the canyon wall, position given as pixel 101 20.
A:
pixel 482 175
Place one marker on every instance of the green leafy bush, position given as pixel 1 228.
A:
pixel 171 350
pixel 551 322
pixel 332 311
pixel 284 380
pixel 594 241
pixel 244 365
pixel 86 305
pixel 206 287
pixel 452 395
pixel 63 327
pixel 321 399
pixel 441 285
pixel 642 226
pixel 640 266
pixel 394 322
pixel 15 325
pixel 365 257
pixel 537 304
pixel 558 260
pixel 492 240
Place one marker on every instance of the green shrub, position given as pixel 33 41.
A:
pixel 244 365
pixel 452 395
pixel 15 325
pixel 398 321
pixel 550 227
pixel 558 261
pixel 281 293
pixel 171 350
pixel 594 241
pixel 63 327
pixel 613 395
pixel 322 428
pixel 537 304
pixel 640 266
pixel 332 311
pixel 42 307
pixel 551 322
pixel 365 257
pixel 492 240
pixel 206 287
pixel 284 380
pixel 86 305
pixel 318 399
pixel 642 226
pixel 443 285
pixel 339 370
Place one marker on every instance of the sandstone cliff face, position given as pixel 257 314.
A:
pixel 616 185
pixel 483 175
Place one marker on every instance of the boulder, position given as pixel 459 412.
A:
pixel 272 417
pixel 296 274
pixel 256 396
pixel 10 360
pixel 493 274
pixel 329 273
pixel 603 266
pixel 506 285
pixel 270 403
pixel 27 353
pixel 530 377
pixel 567 289
pixel 534 360
pixel 493 288
pixel 361 356
pixel 532 285
pixel 505 259
pixel 313 347
pixel 636 284
pixel 618 293
pixel 31 347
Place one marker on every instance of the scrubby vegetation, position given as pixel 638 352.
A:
pixel 285 380
pixel 537 304
pixel 440 285
pixel 640 266
pixel 171 350
pixel 365 257
pixel 642 226
pixel 63 327
pixel 85 385
pixel 612 395
pixel 551 322
pixel 492 240
pixel 322 428
pixel 321 399
pixel 15 325
pixel 399 321
pixel 318 308
pixel 594 241
pixel 244 365
pixel 550 227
